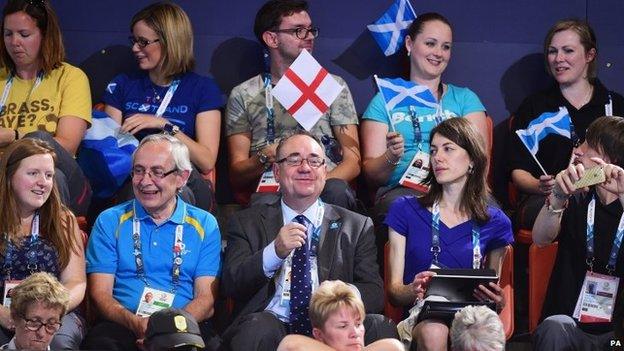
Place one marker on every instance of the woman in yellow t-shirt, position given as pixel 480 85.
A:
pixel 42 96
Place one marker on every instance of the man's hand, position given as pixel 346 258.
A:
pixel 290 237
pixel 139 327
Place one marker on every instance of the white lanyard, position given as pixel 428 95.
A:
pixel 435 238
pixel 167 99
pixel 9 84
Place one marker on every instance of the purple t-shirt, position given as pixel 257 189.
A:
pixel 410 219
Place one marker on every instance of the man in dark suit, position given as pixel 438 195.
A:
pixel 260 270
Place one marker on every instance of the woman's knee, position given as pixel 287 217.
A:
pixel 431 335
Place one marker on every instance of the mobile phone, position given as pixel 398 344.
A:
pixel 592 176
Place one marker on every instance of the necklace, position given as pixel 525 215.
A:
pixel 156 94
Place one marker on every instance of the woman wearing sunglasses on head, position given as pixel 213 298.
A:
pixel 166 96
pixel 570 50
pixel 37 311
pixel 40 235
pixel 42 96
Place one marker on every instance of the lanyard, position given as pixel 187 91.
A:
pixel 316 231
pixel 609 107
pixel 617 241
pixel 435 238
pixel 268 101
pixel 9 84
pixel 167 99
pixel 31 254
pixel 178 246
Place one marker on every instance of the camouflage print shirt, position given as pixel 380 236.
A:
pixel 246 113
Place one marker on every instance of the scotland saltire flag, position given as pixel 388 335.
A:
pixel 547 123
pixel 106 155
pixel 389 30
pixel 398 92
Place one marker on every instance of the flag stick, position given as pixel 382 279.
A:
pixel 385 105
pixel 411 8
pixel 534 157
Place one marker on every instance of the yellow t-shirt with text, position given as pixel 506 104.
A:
pixel 62 92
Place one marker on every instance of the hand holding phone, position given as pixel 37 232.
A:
pixel 592 176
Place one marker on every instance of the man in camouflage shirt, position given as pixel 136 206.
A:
pixel 284 28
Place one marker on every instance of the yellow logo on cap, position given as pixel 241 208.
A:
pixel 180 323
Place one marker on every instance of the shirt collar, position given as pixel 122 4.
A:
pixel 176 217
pixel 310 213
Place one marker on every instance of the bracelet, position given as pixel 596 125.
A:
pixel 560 196
pixel 390 162
pixel 551 209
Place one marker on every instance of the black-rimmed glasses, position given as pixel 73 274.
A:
pixel 141 42
pixel 35 324
pixel 297 160
pixel 154 173
pixel 301 33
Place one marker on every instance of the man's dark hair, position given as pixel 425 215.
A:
pixel 270 15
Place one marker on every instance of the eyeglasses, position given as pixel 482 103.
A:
pixel 154 173
pixel 35 325
pixel 141 42
pixel 297 160
pixel 301 33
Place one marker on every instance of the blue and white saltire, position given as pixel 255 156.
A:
pixel 389 30
pixel 106 155
pixel 398 92
pixel 547 123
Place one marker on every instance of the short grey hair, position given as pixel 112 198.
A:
pixel 179 151
pixel 477 328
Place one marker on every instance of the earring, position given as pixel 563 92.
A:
pixel 408 53
pixel 470 169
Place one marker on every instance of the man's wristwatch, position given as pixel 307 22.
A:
pixel 262 158
pixel 171 129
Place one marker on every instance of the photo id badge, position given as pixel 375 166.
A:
pixel 416 172
pixel 597 298
pixel 267 183
pixel 153 300
pixel 8 288
pixel 286 276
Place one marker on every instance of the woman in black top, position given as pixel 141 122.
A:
pixel 570 50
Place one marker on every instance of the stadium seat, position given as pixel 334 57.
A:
pixel 541 262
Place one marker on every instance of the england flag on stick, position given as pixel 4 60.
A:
pixel 389 30
pixel 306 90
pixel 547 123
pixel 398 92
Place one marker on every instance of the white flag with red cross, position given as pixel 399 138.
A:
pixel 306 90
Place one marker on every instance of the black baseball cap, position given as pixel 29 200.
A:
pixel 171 328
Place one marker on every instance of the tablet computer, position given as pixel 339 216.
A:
pixel 459 284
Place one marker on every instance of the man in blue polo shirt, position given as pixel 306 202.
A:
pixel 153 252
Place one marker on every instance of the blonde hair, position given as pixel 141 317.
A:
pixel 175 33
pixel 329 298
pixel 39 287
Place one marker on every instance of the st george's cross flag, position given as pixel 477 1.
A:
pixel 306 90
pixel 389 30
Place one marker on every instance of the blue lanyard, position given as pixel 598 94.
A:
pixel 617 241
pixel 178 246
pixel 268 99
pixel 31 254
pixel 9 84
pixel 167 99
pixel 435 238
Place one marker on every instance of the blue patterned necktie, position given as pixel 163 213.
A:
pixel 301 285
